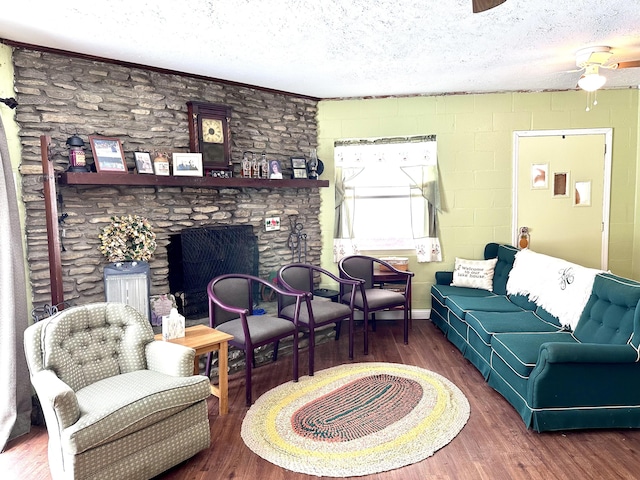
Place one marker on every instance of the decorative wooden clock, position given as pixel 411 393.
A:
pixel 210 134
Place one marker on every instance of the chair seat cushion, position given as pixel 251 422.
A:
pixel 261 328
pixel 377 299
pixel 323 312
pixel 120 405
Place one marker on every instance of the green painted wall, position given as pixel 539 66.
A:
pixel 475 137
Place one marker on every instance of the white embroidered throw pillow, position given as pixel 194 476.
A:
pixel 474 273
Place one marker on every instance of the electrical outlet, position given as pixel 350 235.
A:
pixel 272 223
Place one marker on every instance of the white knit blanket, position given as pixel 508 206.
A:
pixel 562 288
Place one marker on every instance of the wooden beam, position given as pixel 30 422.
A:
pixel 51 210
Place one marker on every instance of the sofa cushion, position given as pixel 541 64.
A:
pixel 117 406
pixel 520 350
pixel 486 324
pixel 498 303
pixel 441 292
pixel 474 273
pixel 523 302
pixel 610 313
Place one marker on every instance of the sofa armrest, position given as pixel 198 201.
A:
pixel 170 358
pixel 444 278
pixel 584 375
pixel 57 397
pixel 587 353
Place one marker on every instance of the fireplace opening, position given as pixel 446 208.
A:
pixel 197 255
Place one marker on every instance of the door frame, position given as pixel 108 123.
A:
pixel 606 193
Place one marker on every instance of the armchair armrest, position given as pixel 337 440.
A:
pixel 170 358
pixel 57 397
pixel 444 278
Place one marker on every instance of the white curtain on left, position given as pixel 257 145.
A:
pixel 15 387
pixel 417 158
pixel 343 242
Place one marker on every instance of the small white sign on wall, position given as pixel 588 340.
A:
pixel 272 223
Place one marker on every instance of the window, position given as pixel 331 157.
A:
pixel 381 200
pixel 387 196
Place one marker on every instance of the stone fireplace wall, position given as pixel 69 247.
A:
pixel 61 95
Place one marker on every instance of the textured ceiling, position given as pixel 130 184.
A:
pixel 342 48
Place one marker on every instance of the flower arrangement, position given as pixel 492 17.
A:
pixel 129 237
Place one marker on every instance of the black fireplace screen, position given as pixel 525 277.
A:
pixel 197 255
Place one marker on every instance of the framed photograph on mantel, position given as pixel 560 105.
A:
pixel 299 166
pixel 143 162
pixel 108 155
pixel 187 164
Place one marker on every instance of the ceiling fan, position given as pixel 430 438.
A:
pixel 591 60
pixel 483 5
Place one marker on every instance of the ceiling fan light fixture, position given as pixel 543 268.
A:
pixel 591 80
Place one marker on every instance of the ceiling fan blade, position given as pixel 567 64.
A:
pixel 629 64
pixel 483 5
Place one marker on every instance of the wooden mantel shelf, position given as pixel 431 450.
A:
pixel 140 180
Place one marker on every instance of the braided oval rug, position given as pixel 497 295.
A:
pixel 355 419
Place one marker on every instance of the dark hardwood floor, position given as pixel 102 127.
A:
pixel 493 445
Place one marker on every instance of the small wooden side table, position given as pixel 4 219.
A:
pixel 203 340
pixel 380 278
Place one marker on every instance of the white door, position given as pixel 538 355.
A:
pixel 561 193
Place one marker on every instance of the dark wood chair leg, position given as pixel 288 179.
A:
pixel 295 357
pixel 338 328
pixel 207 370
pixel 406 325
pixel 351 335
pixel 275 350
pixel 366 332
pixel 312 348
pixel 247 380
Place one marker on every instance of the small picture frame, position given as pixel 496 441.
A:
pixel 187 164
pixel 561 184
pixel 299 166
pixel 540 175
pixel 298 162
pixel 300 173
pixel 107 154
pixel 143 162
pixel 582 194
pixel 161 164
pixel 275 170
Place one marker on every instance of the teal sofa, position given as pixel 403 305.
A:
pixel 556 378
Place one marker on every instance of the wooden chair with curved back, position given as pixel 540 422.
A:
pixel 299 277
pixel 369 299
pixel 231 301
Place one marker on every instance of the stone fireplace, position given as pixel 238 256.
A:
pixel 60 95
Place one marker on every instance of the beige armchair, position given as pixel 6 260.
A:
pixel 117 403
